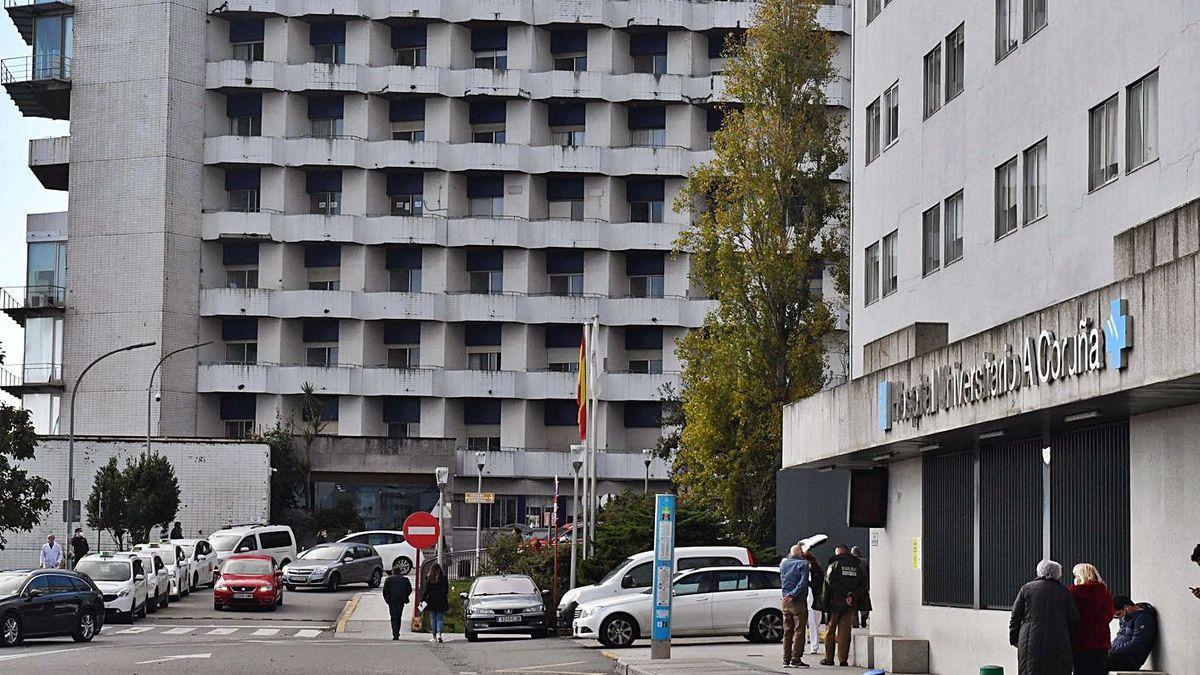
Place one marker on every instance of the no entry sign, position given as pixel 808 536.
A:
pixel 421 530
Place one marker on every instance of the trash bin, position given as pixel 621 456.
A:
pixel 991 670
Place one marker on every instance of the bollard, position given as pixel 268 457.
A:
pixel 991 670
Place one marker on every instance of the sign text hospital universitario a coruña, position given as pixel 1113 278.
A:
pixel 1043 359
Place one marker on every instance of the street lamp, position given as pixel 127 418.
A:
pixel 150 385
pixel 71 430
pixel 576 462
pixel 442 475
pixel 647 457
pixel 480 460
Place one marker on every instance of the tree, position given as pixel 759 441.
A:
pixel 340 519
pixel 152 495
pixel 313 425
pixel 767 222
pixel 106 504
pixel 288 472
pixel 24 496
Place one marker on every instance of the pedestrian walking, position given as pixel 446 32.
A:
pixel 844 594
pixel 794 578
pixel 1090 637
pixel 177 531
pixel 436 596
pixel 816 582
pixel 396 592
pixel 1041 621
pixel 79 547
pixel 51 557
pixel 865 565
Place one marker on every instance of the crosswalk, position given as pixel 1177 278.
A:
pixel 223 631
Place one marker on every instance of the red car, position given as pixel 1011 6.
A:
pixel 249 580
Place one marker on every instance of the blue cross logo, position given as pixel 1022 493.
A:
pixel 1118 334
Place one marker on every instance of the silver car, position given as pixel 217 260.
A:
pixel 332 565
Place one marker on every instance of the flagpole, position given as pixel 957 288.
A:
pixel 587 437
pixel 594 376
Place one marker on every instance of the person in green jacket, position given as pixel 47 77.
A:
pixel 845 593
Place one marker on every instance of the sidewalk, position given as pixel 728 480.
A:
pixel 366 616
pixel 716 656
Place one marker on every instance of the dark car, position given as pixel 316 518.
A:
pixel 507 603
pixel 48 603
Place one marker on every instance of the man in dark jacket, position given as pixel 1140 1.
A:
pixel 844 594
pixel 1137 635
pixel 396 591
pixel 79 546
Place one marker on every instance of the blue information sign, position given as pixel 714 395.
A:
pixel 664 571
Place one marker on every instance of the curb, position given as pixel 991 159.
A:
pixel 347 612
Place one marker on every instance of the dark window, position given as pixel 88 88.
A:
pixel 731 581
pixel 761 581
pixel 481 411
pixel 1010 528
pixel 358 539
pixel 643 414
pixel 948 529
pixel 561 412
pixel 700 582
pixel 560 335
pixel 248 543
pixel 40 582
pixel 639 576
pixel 275 539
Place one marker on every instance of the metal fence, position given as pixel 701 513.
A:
pixel 38 67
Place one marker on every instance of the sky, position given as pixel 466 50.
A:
pixel 20 191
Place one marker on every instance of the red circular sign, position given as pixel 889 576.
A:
pixel 421 530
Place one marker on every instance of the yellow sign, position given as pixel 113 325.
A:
pixel 916 553
pixel 481 498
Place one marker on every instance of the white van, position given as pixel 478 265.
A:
pixel 276 541
pixel 635 573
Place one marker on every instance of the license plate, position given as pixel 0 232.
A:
pixel 243 596
pixel 508 619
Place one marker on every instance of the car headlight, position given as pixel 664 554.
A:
pixel 265 588
pixel 586 612
pixel 481 612
pixel 320 570
pixel 221 584
pixel 532 610
pixel 124 593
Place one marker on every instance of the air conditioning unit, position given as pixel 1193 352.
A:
pixel 36 301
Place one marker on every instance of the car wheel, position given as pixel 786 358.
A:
pixel 10 631
pixel 335 580
pixel 289 587
pixel 195 581
pixel 376 578
pixel 767 626
pixel 165 600
pixel 216 606
pixel 273 607
pixel 406 565
pixel 279 602
pixel 472 636
pixel 619 630
pixel 145 607
pixel 85 630
pixel 151 604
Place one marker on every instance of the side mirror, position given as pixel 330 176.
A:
pixel 243 549
pixel 463 596
pixel 546 593
pixel 36 593
pixel 139 577
pixel 348 558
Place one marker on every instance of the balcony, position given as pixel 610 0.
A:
pixel 50 161
pixel 23 302
pixel 24 12
pixel 31 378
pixel 39 85
pixel 611 464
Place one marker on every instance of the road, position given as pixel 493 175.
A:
pixel 190 637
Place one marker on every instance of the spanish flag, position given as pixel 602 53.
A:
pixel 581 387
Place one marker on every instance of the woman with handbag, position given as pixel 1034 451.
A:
pixel 437 600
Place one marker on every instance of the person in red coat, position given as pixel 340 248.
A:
pixel 1090 637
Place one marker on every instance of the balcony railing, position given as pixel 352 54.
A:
pixel 32 297
pixel 27 3
pixel 35 68
pixel 31 376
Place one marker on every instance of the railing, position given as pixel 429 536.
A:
pixel 32 297
pixel 35 68
pixel 30 374
pixel 26 3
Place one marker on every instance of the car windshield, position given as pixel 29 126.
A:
pixel 504 586
pixel 166 553
pixel 322 553
pixel 613 572
pixel 257 567
pixel 103 570
pixel 10 584
pixel 224 542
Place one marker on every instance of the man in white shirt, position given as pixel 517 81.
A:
pixel 52 554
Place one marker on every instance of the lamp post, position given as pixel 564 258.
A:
pixel 150 385
pixel 442 475
pixel 71 429
pixel 647 458
pixel 576 463
pixel 480 460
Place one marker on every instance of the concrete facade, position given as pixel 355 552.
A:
pixel 220 482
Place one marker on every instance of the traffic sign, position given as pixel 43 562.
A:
pixel 664 571
pixel 71 511
pixel 421 530
pixel 481 498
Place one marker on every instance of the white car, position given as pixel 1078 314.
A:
pixel 710 601
pixel 158 580
pixel 633 575
pixel 121 579
pixel 179 568
pixel 389 544
pixel 204 561
pixel 277 541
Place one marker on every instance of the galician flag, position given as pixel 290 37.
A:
pixel 581 393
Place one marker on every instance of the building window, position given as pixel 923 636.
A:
pixel 1141 118
pixel 647 126
pixel 890 266
pixel 873 9
pixel 1010 539
pixel 404 358
pixel 931 243
pixel 246 39
pixel 566 209
pixel 239 429
pixel 404 429
pixel 871 274
pixel 321 356
pixel 566 284
pixel 646 212
pixel 1102 144
pixel 483 361
pixel 331 54
pixel 241 264
pixel 954 228
pixel 646 286
pixel 484 444
pixel 891 119
pixel 1035 16
pixel 873 130
pixel 407 205
pixel 955 62
pixel 648 138
pixel 326 203
pixel 488 133
pixel 1006 27
pixel 948 530
pixel 408 131
pixel 567 137
pixel 572 62
pixel 404 281
pixel 646 366
pixel 1035 182
pixel 649 52
pixel 248 51
pixel 327 127
pixel 243 201
pixel 410 56
pixel 655 64
pixel 241 278
pixel 241 353
pixel 1006 197
pixel 493 59
pixel 246 125
pixel 933 80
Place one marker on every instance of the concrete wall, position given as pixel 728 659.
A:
pixel 220 482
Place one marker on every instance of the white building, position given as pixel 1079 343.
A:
pixel 412 205
pixel 1022 177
